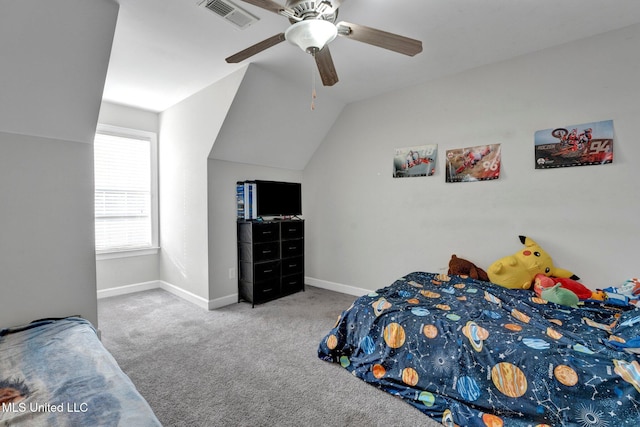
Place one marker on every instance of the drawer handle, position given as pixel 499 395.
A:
pixel 293 283
pixel 268 271
pixel 266 252
pixel 267 290
pixel 266 232
pixel 293 265
pixel 293 247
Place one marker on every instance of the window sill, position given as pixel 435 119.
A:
pixel 126 253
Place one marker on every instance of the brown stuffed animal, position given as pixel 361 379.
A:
pixel 461 266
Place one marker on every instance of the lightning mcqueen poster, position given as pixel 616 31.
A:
pixel 575 145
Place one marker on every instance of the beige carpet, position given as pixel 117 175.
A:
pixel 238 366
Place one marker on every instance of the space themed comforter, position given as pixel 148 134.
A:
pixel 58 373
pixel 471 353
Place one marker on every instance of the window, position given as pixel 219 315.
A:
pixel 125 167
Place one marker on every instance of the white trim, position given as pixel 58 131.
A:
pixel 125 253
pixel 181 293
pixel 336 287
pixel 223 301
pixel 128 289
pixel 125 132
pixel 185 295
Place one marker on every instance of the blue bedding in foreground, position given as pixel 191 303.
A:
pixel 58 373
pixel 470 353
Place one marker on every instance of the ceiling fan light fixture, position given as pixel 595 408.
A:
pixel 311 35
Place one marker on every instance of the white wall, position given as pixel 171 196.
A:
pixel 47 262
pixel 270 122
pixel 54 62
pixel 117 272
pixel 128 117
pixel 187 133
pixel 365 228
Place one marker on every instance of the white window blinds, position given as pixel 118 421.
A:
pixel 122 193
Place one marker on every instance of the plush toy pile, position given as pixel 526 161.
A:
pixel 532 266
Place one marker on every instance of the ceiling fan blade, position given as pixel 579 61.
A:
pixel 325 67
pixel 256 48
pixel 380 38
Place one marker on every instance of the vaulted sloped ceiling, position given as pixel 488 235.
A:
pixel 53 62
pixel 271 123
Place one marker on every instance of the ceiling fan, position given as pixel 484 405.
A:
pixel 313 27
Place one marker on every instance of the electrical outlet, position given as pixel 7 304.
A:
pixel 232 273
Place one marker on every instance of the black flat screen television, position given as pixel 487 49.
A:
pixel 275 198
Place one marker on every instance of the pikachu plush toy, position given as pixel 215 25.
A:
pixel 518 271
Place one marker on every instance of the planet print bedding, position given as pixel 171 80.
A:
pixel 470 353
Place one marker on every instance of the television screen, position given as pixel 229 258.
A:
pixel 278 198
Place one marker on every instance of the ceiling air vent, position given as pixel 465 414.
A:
pixel 230 12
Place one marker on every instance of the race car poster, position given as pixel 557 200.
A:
pixel 415 161
pixel 480 163
pixel 575 145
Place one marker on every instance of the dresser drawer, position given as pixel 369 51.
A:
pixel 266 232
pixel 291 248
pixel 266 290
pixel 266 271
pixel 292 265
pixel 266 251
pixel 259 252
pixel 292 230
pixel 293 283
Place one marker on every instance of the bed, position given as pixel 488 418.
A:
pixel 470 353
pixel 56 372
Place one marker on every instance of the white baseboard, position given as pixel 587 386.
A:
pixel 128 289
pixel 179 292
pixel 185 295
pixel 337 287
pixel 223 301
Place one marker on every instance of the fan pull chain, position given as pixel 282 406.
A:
pixel 313 84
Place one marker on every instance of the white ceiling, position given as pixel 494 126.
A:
pixel 166 50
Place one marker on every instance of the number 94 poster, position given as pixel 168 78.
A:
pixel 575 145
pixel 480 163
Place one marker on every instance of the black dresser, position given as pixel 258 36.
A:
pixel 270 259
